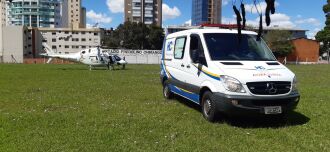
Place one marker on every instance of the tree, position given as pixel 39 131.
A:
pixel 279 42
pixel 323 36
pixel 111 39
pixel 156 37
pixel 131 35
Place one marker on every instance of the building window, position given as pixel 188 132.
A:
pixel 54 47
pixel 53 33
pixel 67 46
pixel 53 40
pixel 84 47
pixel 83 39
pixel 96 34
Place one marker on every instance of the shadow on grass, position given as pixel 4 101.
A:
pixel 292 119
pixel 187 103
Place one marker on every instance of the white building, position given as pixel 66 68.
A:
pixel 62 40
pixel 2 24
pixel 14 44
pixel 3 12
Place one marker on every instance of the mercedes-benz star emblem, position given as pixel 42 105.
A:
pixel 271 88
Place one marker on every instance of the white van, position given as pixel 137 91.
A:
pixel 223 72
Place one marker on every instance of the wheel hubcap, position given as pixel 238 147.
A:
pixel 207 106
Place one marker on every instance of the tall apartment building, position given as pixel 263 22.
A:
pixel 73 15
pixel 206 11
pixel 144 11
pixel 33 13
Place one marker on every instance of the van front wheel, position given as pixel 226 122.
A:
pixel 167 93
pixel 208 107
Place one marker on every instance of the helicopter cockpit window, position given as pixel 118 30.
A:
pixel 117 58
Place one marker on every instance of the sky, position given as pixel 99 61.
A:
pixel 300 14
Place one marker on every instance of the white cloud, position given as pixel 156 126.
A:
pixel 225 2
pixel 116 6
pixel 89 26
pixel 98 17
pixel 312 21
pixel 170 13
pixel 252 8
pixel 229 20
pixel 311 34
pixel 188 23
pixel 277 20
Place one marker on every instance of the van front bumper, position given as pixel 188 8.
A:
pixel 252 105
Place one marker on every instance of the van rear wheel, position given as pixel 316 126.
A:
pixel 167 93
pixel 208 107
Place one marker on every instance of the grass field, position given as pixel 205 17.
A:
pixel 69 108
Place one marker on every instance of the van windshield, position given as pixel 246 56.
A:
pixel 225 46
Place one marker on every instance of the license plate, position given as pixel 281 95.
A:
pixel 273 110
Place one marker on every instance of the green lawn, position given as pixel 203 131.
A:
pixel 69 108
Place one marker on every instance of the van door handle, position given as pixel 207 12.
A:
pixel 188 66
pixel 182 65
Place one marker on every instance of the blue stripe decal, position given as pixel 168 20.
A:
pixel 168 74
pixel 191 96
pixel 163 69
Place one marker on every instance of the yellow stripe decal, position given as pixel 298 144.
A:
pixel 184 90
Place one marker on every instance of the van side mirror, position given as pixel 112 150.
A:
pixel 195 56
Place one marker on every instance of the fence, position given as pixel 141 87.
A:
pixel 131 56
pixel 304 61
pixel 138 56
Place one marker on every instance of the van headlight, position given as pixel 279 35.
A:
pixel 295 84
pixel 231 84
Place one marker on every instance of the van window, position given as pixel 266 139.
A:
pixel 196 44
pixel 179 47
pixel 225 46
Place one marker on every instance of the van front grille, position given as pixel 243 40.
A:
pixel 269 88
